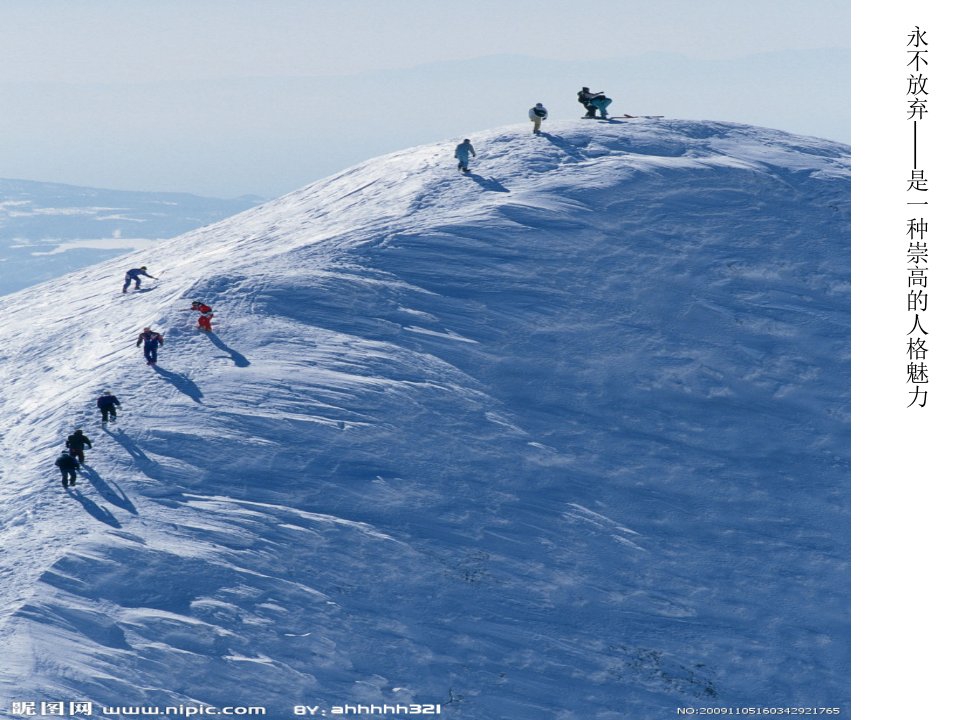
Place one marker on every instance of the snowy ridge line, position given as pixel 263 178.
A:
pixel 623 373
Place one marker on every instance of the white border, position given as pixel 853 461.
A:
pixel 905 528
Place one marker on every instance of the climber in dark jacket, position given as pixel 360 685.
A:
pixel 133 276
pixel 75 443
pixel 108 405
pixel 68 468
pixel 593 101
pixel 151 341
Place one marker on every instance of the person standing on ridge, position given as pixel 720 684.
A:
pixel 462 154
pixel 75 443
pixel 108 405
pixel 133 276
pixel 68 468
pixel 151 342
pixel 593 101
pixel 538 113
pixel 206 315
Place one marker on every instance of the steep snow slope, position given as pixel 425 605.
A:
pixel 567 438
pixel 49 229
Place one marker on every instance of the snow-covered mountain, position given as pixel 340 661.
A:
pixel 566 438
pixel 49 229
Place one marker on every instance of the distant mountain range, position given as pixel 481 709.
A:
pixel 271 135
pixel 49 229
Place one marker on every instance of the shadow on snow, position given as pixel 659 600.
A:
pixel 569 148
pixel 112 494
pixel 181 383
pixel 148 467
pixel 238 359
pixel 487 183
pixel 98 511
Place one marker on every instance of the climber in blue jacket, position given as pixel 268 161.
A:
pixel 133 276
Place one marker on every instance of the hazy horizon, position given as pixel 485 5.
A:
pixel 145 97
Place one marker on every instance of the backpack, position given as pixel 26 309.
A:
pixel 540 112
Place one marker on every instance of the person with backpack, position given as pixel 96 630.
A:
pixel 538 113
pixel 75 443
pixel 593 101
pixel 206 315
pixel 151 342
pixel 462 154
pixel 108 405
pixel 68 468
pixel 133 276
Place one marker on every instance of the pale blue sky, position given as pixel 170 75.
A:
pixel 131 95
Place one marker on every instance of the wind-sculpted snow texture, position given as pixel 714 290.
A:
pixel 567 438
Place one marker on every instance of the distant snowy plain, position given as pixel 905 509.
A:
pixel 566 438
pixel 50 229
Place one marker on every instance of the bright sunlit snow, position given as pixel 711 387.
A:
pixel 50 229
pixel 566 438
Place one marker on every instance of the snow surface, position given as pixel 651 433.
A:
pixel 50 229
pixel 566 438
